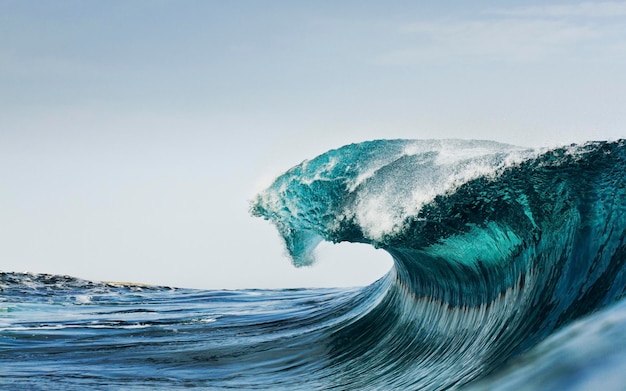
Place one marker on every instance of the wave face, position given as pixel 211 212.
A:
pixel 508 274
pixel 494 248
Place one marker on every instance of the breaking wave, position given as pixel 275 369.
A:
pixel 494 248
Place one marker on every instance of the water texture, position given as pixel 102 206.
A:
pixel 508 274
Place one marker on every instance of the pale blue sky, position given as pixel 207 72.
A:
pixel 132 133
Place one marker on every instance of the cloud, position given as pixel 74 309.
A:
pixel 587 9
pixel 508 40
pixel 518 35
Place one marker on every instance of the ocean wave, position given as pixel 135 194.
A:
pixel 494 248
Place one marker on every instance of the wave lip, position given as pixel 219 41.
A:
pixel 366 192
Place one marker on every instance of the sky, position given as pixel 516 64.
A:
pixel 134 133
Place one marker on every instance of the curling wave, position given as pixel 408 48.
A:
pixel 495 247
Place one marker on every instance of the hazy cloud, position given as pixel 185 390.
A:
pixel 587 9
pixel 516 35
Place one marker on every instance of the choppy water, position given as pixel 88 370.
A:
pixel 508 274
pixel 57 332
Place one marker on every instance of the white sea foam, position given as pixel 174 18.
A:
pixel 383 207
pixel 82 299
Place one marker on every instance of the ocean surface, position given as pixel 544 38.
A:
pixel 509 274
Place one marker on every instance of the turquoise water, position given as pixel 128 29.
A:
pixel 508 274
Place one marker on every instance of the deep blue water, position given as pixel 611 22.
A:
pixel 508 274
